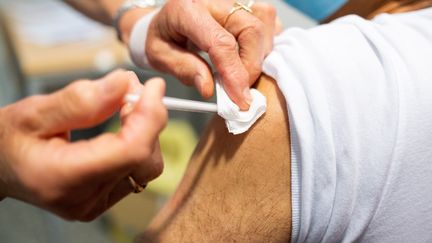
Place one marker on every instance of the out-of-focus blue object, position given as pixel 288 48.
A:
pixel 317 9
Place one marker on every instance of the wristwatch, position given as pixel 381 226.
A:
pixel 132 4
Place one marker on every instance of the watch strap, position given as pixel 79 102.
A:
pixel 132 4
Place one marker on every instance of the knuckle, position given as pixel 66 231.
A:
pixel 255 68
pixel 158 168
pixel 268 9
pixel 78 96
pixel 236 80
pixel 156 112
pixel 152 51
pixel 142 154
pixel 153 169
pixel 28 114
pixel 224 40
pixel 257 27
pixel 155 51
pixel 79 88
pixel 254 31
pixel 156 171
pixel 264 10
pixel 183 73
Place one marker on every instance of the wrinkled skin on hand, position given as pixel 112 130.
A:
pixel 236 44
pixel 80 180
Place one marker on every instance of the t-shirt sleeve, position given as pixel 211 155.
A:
pixel 359 97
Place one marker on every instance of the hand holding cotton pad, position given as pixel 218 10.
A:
pixel 238 121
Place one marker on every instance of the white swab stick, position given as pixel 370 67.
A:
pixel 180 104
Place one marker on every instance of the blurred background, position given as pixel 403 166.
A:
pixel 44 45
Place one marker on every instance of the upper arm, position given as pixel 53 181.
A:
pixel 371 8
pixel 235 187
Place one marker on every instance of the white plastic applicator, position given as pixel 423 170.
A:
pixel 180 104
pixel 237 121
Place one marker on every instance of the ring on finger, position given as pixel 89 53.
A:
pixel 240 5
pixel 137 188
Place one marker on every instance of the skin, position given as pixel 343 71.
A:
pixel 80 180
pixel 34 135
pixel 369 9
pixel 236 44
pixel 236 188
pixel 92 175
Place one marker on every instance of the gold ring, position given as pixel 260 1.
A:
pixel 240 5
pixel 137 188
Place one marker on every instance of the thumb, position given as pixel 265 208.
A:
pixel 84 103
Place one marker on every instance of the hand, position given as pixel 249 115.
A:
pixel 80 180
pixel 236 44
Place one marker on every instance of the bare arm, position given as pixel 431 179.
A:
pixel 100 10
pixel 359 7
pixel 369 9
pixel 105 10
pixel 236 188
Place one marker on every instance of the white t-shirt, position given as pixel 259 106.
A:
pixel 359 97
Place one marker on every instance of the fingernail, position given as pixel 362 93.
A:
pixel 247 96
pixel 127 108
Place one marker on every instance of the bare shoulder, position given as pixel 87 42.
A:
pixel 236 188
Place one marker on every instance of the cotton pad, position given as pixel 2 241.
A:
pixel 238 121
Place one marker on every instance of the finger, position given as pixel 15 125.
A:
pixel 249 31
pixel 109 197
pixel 149 113
pixel 135 87
pixel 221 47
pixel 188 67
pixel 101 200
pixel 267 14
pixel 113 155
pixel 81 104
pixel 117 189
pixel 150 169
pixel 126 110
pixel 279 26
pixel 121 190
